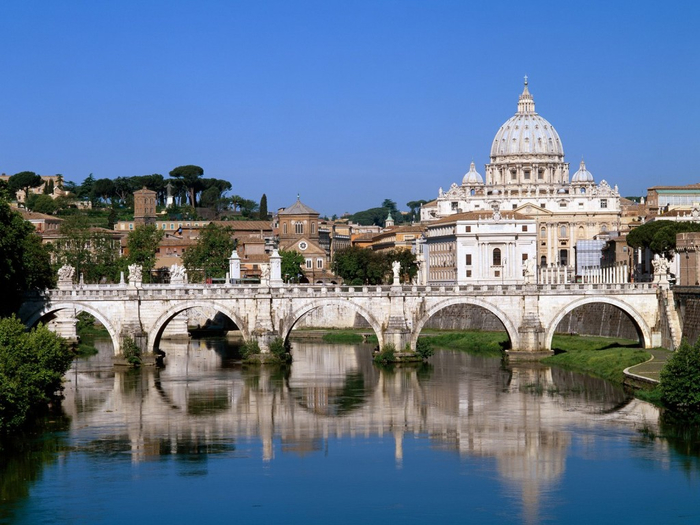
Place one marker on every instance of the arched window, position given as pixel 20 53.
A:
pixel 496 256
pixel 543 261
pixel 313 227
pixel 299 227
pixel 284 227
pixel 563 231
pixel 543 232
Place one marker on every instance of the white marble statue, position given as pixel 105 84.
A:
pixel 135 273
pixel 65 273
pixel 396 268
pixel 178 274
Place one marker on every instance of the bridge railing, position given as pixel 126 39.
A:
pixel 168 291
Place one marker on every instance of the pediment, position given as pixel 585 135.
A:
pixel 532 210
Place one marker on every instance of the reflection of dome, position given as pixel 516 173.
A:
pixel 582 175
pixel 472 176
pixel 526 133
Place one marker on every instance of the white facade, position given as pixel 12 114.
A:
pixel 527 175
pixel 475 248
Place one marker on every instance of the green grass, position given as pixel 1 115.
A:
pixel 597 356
pixel 473 342
pixel 347 337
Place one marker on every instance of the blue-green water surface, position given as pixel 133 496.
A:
pixel 335 439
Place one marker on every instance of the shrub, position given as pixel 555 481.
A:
pixel 131 352
pixel 424 348
pixel 249 348
pixel 680 380
pixel 387 354
pixel 32 365
pixel 280 348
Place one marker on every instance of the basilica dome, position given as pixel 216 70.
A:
pixel 526 133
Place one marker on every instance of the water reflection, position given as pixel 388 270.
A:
pixel 203 402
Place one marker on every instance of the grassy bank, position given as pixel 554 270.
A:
pixel 349 337
pixel 475 342
pixel 602 357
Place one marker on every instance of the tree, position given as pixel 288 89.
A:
pixel 360 266
pixel 209 257
pixel 24 181
pixel 190 176
pixel 31 367
pixel 680 380
pixel 24 262
pixel 142 244
pixel 409 265
pixel 262 213
pixel 291 264
pixel 415 207
pixel 41 203
pixel 103 189
pixel 92 252
pixel 660 236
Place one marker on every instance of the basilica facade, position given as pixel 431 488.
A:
pixel 527 177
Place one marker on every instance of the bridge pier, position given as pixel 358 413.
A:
pixel 65 325
pixel 397 332
pixel 531 344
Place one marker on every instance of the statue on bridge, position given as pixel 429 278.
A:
pixel 661 267
pixel 178 274
pixel 529 271
pixel 65 275
pixel 396 268
pixel 135 274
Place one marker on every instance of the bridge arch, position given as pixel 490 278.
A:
pixel 510 328
pixel 643 329
pixel 156 331
pixel 288 322
pixel 49 309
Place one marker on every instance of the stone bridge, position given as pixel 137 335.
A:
pixel 529 313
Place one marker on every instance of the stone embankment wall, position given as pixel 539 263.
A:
pixel 593 319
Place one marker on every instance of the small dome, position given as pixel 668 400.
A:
pixel 582 175
pixel 472 177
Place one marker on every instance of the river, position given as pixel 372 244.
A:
pixel 335 439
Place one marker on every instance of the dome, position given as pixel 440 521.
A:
pixel 472 177
pixel 526 133
pixel 582 175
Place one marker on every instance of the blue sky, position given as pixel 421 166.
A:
pixel 345 102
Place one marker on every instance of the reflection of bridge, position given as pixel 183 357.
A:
pixel 466 404
pixel 529 313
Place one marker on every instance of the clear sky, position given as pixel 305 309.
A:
pixel 345 102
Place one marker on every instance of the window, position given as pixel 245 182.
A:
pixel 131 226
pixel 524 228
pixel 515 206
pixel 313 227
pixel 469 273
pixel 564 257
pixel 524 257
pixel 319 263
pixel 284 227
pixel 467 229
pixel 543 232
pixel 563 231
pixel 543 261
pixel 603 203
pixel 298 227
pixel 309 264
pixel 526 174
pixel 540 174
pixel 454 206
pixel 497 257
pixel 469 259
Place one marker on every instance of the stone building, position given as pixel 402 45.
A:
pixel 144 207
pixel 527 174
pixel 298 230
pixel 480 247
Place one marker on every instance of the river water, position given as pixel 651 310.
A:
pixel 336 439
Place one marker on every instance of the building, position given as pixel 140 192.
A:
pixel 51 184
pixel 298 230
pixel 144 207
pixel 527 174
pixel 480 247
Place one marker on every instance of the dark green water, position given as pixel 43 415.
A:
pixel 334 439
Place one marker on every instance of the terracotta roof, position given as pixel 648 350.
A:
pixel 245 225
pixel 32 215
